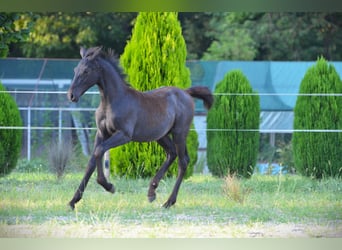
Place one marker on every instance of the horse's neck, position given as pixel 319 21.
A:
pixel 112 86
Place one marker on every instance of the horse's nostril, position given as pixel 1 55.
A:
pixel 71 96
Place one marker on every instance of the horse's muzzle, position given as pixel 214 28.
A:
pixel 72 97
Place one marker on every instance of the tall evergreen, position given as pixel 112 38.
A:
pixel 10 139
pixel 154 57
pixel 230 151
pixel 318 154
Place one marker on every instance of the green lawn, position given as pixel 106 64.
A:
pixel 35 205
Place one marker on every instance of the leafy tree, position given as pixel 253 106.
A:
pixel 61 34
pixel 298 36
pixel 219 35
pixel 13 29
pixel 10 143
pixel 275 36
pixel 230 151
pixel 232 42
pixel 154 57
pixel 195 26
pixel 318 154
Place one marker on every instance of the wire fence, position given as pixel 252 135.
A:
pixel 70 109
pixel 29 126
pixel 215 94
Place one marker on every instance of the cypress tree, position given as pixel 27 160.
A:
pixel 154 57
pixel 10 139
pixel 230 151
pixel 318 154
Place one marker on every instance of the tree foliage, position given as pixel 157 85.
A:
pixel 232 42
pixel 208 35
pixel 154 57
pixel 195 26
pixel 59 34
pixel 230 151
pixel 275 36
pixel 10 143
pixel 318 154
pixel 13 29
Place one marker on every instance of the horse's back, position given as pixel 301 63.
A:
pixel 162 110
pixel 180 104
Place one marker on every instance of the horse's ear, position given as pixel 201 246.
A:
pixel 83 52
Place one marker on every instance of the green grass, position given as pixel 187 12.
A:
pixel 35 205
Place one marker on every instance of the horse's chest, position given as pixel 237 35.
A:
pixel 105 124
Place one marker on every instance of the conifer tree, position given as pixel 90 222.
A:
pixel 154 57
pixel 10 139
pixel 318 154
pixel 230 151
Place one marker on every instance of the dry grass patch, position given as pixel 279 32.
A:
pixel 233 189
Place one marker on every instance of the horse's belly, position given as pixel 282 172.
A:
pixel 149 136
pixel 148 133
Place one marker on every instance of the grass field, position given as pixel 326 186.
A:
pixel 35 205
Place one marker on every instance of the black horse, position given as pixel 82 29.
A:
pixel 125 114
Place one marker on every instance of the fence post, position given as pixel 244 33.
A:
pixel 59 125
pixel 29 133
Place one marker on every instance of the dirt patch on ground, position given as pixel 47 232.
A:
pixel 252 230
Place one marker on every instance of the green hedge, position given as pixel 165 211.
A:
pixel 154 57
pixel 319 154
pixel 10 139
pixel 230 152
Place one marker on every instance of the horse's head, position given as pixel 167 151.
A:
pixel 86 75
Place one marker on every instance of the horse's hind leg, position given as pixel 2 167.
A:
pixel 183 161
pixel 170 149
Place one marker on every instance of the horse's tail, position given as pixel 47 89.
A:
pixel 203 93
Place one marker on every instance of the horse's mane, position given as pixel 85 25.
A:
pixel 110 56
pixel 113 59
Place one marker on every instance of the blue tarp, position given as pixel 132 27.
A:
pixel 265 77
pixel 270 169
pixel 280 81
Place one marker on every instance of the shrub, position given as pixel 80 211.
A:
pixel 59 155
pixel 10 139
pixel 231 151
pixel 318 154
pixel 154 57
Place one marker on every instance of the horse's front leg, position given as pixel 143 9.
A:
pixel 117 139
pixel 89 171
pixel 101 179
pixel 79 192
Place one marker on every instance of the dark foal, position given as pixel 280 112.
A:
pixel 124 114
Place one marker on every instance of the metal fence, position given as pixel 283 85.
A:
pixel 29 125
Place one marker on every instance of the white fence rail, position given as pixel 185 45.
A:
pixel 200 129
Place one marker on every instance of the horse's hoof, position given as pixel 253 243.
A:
pixel 112 189
pixel 151 198
pixel 168 204
pixel 71 206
